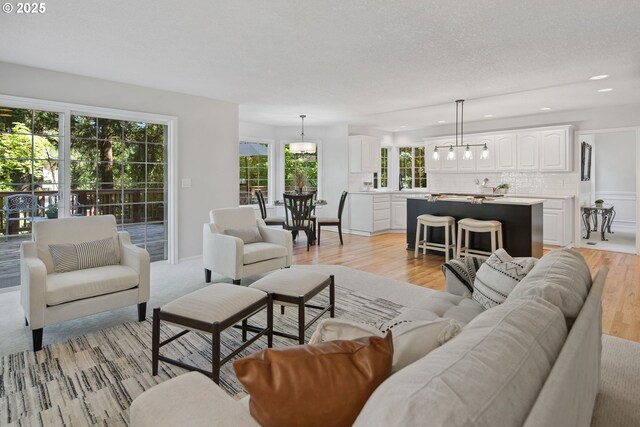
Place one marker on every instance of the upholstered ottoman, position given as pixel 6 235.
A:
pixel 211 310
pixel 294 286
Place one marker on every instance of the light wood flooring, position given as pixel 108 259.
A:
pixel 386 255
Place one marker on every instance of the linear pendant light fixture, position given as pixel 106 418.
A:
pixel 302 147
pixel 451 153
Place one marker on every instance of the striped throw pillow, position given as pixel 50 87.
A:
pixel 497 277
pixel 70 257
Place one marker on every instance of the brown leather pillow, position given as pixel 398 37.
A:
pixel 324 384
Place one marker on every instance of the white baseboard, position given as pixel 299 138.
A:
pixel 191 258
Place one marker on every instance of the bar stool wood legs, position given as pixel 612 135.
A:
pixel 470 225
pixel 425 221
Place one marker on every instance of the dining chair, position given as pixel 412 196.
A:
pixel 298 215
pixel 274 220
pixel 333 221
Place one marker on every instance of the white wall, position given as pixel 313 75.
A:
pixel 357 179
pixel 207 136
pixel 615 174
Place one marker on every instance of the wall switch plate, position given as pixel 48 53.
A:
pixel 186 182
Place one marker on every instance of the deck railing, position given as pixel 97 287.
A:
pixel 129 206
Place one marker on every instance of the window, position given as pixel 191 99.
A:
pixel 412 167
pixel 384 167
pixel 119 168
pixel 300 169
pixel 254 172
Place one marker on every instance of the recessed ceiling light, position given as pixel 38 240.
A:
pixel 545 108
pixel 605 90
pixel 488 115
pixel 441 121
pixel 600 77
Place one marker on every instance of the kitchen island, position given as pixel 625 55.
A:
pixel 521 221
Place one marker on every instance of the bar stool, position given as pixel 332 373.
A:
pixel 436 221
pixel 469 225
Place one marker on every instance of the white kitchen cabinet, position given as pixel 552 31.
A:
pixel 488 164
pixel 364 154
pixel 554 150
pixel 527 149
pixel 553 224
pixel 369 213
pixel 505 152
pixel 557 220
pixel 398 212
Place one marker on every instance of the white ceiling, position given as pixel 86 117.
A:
pixel 381 63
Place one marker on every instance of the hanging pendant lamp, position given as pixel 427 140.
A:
pixel 301 147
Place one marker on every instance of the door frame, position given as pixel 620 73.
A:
pixel 636 129
pixel 67 109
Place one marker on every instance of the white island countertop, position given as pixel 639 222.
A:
pixel 488 200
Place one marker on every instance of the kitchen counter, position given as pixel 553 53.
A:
pixel 423 192
pixel 521 218
pixel 487 201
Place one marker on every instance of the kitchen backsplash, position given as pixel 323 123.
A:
pixel 561 184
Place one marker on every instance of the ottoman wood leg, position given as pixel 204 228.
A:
pixel 142 311
pixel 282 309
pixel 236 281
pixel 270 321
pixel 244 330
pixel 332 297
pixel 207 275
pixel 155 341
pixel 301 320
pixel 215 353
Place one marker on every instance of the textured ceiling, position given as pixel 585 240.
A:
pixel 377 62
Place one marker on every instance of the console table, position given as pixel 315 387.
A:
pixel 590 213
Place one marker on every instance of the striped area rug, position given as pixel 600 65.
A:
pixel 93 379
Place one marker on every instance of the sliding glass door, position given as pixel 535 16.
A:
pixel 104 166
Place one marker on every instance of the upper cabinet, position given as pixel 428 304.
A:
pixel 364 154
pixel 542 149
pixel 527 151
pixel 505 152
pixel 554 150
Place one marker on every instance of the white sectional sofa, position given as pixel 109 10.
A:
pixel 532 361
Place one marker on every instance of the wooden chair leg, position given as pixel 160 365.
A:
pixel 459 243
pixel 319 228
pixel 207 275
pixel 453 239
pixel 339 232
pixel 446 244
pixel 417 248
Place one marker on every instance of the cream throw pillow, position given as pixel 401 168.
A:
pixel 248 235
pixel 412 340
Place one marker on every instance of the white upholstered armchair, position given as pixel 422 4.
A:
pixel 54 290
pixel 236 244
